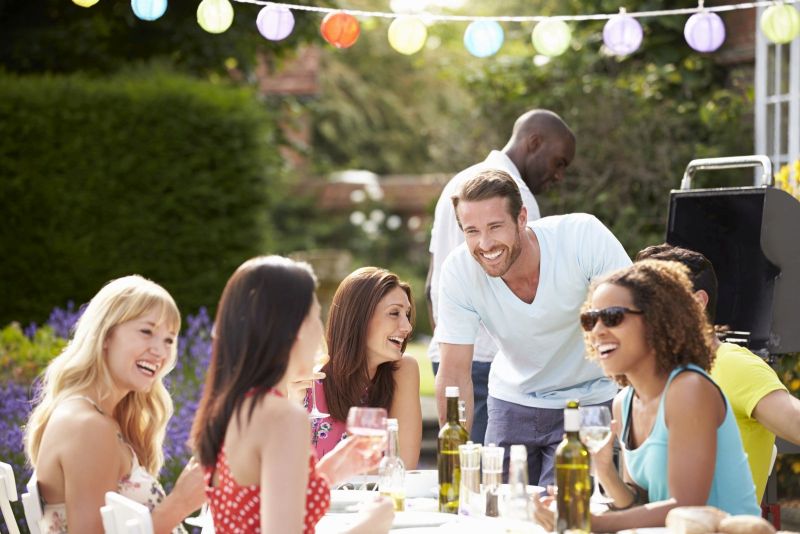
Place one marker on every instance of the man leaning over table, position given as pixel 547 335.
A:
pixel 762 405
pixel 525 281
pixel 540 149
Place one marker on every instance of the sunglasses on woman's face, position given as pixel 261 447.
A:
pixel 611 316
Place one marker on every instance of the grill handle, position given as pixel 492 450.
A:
pixel 735 162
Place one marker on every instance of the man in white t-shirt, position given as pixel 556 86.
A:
pixel 539 150
pixel 525 282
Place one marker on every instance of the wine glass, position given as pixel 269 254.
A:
pixel 320 359
pixel 595 432
pixel 369 423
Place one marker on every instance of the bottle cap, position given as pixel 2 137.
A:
pixel 519 452
pixel 451 391
pixel 572 420
pixel 391 424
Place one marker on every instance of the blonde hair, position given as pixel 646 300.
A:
pixel 142 416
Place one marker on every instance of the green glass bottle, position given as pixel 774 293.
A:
pixel 451 435
pixel 572 476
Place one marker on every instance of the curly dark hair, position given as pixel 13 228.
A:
pixel 676 326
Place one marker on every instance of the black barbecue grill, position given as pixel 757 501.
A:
pixel 752 237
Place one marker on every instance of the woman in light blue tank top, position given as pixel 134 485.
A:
pixel 679 439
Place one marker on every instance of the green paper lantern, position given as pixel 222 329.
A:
pixel 551 37
pixel 407 34
pixel 85 3
pixel 780 23
pixel 215 16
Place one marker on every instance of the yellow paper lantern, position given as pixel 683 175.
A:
pixel 781 23
pixel 407 34
pixel 551 37
pixel 215 16
pixel 85 3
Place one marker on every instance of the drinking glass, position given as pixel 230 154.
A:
pixel 371 424
pixel 595 432
pixel 320 359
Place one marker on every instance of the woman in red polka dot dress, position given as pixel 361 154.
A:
pixel 253 443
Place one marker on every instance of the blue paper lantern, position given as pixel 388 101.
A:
pixel 275 22
pixel 483 38
pixel 149 9
pixel 622 34
pixel 704 31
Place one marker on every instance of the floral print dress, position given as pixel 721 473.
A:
pixel 139 486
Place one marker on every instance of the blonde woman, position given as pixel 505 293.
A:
pixel 102 412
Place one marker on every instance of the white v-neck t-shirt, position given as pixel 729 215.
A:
pixel 540 362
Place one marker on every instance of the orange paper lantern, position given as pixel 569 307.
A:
pixel 340 29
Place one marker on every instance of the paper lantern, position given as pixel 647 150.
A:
pixel 622 34
pixel 340 29
pixel 407 34
pixel 704 31
pixel 551 37
pixel 780 23
pixel 275 22
pixel 483 38
pixel 215 16
pixel 85 3
pixel 148 9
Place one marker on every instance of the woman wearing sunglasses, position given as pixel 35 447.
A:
pixel 679 440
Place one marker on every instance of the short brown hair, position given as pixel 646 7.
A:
pixel 490 183
pixel 675 324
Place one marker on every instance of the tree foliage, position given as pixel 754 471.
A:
pixel 58 36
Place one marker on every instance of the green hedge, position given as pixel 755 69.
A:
pixel 149 173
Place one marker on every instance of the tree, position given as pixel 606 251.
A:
pixel 58 36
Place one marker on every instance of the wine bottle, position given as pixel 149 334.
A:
pixel 391 471
pixel 451 435
pixel 572 476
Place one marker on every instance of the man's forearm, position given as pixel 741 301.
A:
pixel 455 369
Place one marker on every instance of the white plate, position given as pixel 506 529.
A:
pixel 649 530
pixel 349 500
pixel 421 519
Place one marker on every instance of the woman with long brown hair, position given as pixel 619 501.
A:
pixel 370 323
pixel 260 472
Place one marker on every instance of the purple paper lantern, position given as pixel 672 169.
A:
pixel 275 22
pixel 622 34
pixel 704 31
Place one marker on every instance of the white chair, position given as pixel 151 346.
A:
pixel 124 516
pixel 32 504
pixel 8 494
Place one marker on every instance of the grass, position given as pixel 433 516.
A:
pixel 420 352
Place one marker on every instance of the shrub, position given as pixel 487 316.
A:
pixel 150 173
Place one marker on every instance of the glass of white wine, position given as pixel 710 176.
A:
pixel 320 359
pixel 595 432
pixel 369 423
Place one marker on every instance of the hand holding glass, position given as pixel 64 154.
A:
pixel 595 432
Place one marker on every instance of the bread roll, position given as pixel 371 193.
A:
pixel 745 524
pixel 694 519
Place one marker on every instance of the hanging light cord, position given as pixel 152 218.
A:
pixel 534 18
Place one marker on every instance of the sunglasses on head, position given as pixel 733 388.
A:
pixel 611 316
